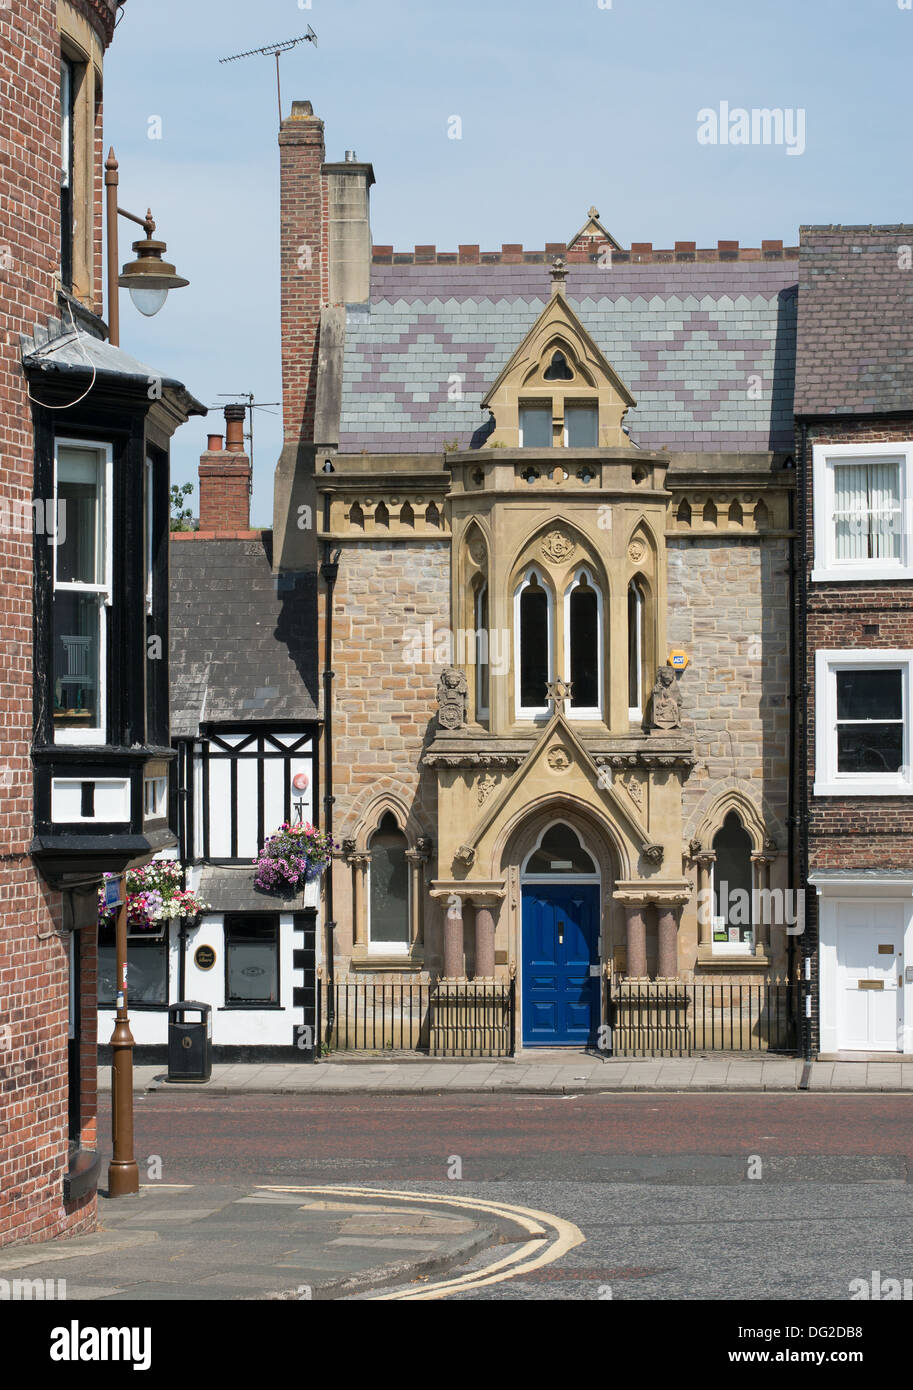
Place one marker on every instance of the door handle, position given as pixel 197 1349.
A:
pixel 560 933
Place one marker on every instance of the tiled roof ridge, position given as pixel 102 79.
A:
pixel 639 253
pixel 856 227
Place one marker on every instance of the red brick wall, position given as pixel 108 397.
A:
pixel 34 967
pixel 856 832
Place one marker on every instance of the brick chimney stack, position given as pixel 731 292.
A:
pixel 225 478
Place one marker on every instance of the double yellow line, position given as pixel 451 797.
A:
pixel 549 1237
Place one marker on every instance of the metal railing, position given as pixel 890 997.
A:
pixel 672 1019
pixel 475 1019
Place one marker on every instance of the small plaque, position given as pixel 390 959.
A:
pixel 871 984
pixel 886 950
pixel 204 957
pixel 594 970
pixel 112 893
pixel 678 659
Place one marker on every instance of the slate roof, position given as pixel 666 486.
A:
pixel 855 341
pixel 684 337
pixel 241 648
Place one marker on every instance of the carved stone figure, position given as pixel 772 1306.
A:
pixel 667 700
pixel 452 697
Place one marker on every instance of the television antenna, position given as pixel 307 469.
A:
pixel 246 398
pixel 275 49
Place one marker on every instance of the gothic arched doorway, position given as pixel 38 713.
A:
pixel 560 929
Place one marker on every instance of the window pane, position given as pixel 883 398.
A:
pixel 869 747
pixel 66 171
pixel 147 970
pixel 870 694
pixel 389 884
pixel 76 660
pixel 635 646
pixel 536 426
pixel 80 552
pixel 482 652
pixel 253 962
pixel 867 511
pixel 732 879
pixel 584 648
pixel 582 424
pixel 558 369
pixel 533 646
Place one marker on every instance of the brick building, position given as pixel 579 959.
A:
pixel 553 497
pixel 84 489
pixel 854 410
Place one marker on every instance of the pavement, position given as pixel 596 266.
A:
pixel 538 1073
pixel 217 1242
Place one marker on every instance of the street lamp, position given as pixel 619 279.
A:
pixel 149 277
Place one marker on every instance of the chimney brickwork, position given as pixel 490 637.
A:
pixel 225 479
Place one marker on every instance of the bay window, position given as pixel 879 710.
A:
pixel 81 588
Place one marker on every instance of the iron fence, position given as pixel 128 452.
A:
pixel 472 1019
pixel 667 1018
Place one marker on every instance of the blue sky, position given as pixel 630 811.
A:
pixel 562 105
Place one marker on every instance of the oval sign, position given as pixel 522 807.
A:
pixel 300 781
pixel 204 957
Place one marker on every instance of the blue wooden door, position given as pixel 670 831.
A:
pixel 560 943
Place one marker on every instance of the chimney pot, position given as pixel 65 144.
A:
pixel 214 443
pixel 351 157
pixel 234 428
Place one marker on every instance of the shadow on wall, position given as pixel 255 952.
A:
pixel 296 624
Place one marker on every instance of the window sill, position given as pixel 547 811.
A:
pixel 716 960
pixel 245 1008
pixel 407 961
pixel 133 1006
pixel 882 574
pixel 853 789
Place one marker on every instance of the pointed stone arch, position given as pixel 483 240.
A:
pixel 538 548
pixel 370 809
pixel 640 560
pixel 715 813
pixel 519 835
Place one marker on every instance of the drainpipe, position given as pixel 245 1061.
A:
pixel 329 569
pixel 182 856
pixel 793 735
pixel 803 692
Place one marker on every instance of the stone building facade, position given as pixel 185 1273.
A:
pixel 559 484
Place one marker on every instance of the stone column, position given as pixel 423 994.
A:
pixel 485 937
pixel 359 864
pixel 667 917
pixel 416 860
pixel 705 862
pixel 453 937
pixel 636 929
pixel 762 864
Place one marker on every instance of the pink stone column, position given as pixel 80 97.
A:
pixel 667 931
pixel 485 942
pixel 453 938
pixel 636 928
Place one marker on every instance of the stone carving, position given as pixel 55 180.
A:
pixel 653 854
pixel 637 550
pixel 558 758
pixel 477 550
pixel 558 546
pixel 667 700
pixel 474 759
pixel 466 855
pixel 452 696
pixel 558 692
pixel 486 786
pixel 635 789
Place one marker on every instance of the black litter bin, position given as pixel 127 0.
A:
pixel 189 1044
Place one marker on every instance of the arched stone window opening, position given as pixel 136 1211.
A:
pixel 533 645
pixel 684 512
pixel 735 512
pixel 636 644
pixel 356 516
pixel 388 888
pixel 583 637
pixel 733 884
pixel 560 853
pixel 381 515
pixel 710 512
pixel 432 515
pixel 406 515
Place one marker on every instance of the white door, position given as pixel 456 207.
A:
pixel 870 975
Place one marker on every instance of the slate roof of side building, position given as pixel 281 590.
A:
pixel 685 335
pixel 242 648
pixel 855 339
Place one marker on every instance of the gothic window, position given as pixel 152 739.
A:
pixel 635 650
pixel 732 883
pixel 584 646
pixel 533 645
pixel 558 369
pixel 559 851
pixel 388 887
pixel 482 655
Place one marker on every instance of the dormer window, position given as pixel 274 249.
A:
pixel 536 426
pixel 558 369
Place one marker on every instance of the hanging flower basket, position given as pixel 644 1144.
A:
pixel 291 858
pixel 155 896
